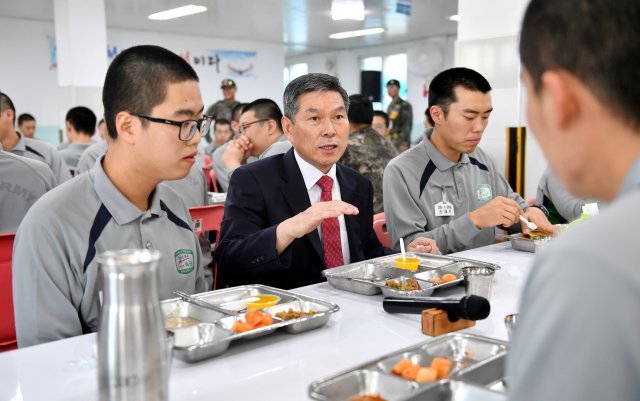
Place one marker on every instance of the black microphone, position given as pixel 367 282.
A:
pixel 471 307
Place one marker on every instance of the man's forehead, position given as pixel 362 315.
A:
pixel 247 116
pixel 317 101
pixel 471 98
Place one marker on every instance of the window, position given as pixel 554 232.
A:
pixel 393 67
pixel 294 71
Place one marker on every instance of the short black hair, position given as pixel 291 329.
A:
pixel 265 109
pixel 597 41
pixel 237 111
pixel 137 81
pixel 220 121
pixel 442 88
pixel 101 121
pixel 7 104
pixel 82 119
pixel 24 118
pixel 360 110
pixel 313 82
pixel 384 115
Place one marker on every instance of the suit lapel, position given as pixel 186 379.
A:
pixel 295 192
pixel 349 194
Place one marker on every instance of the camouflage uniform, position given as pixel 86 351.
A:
pixel 221 110
pixel 401 118
pixel 368 152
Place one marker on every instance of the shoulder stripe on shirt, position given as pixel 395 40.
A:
pixel 32 150
pixel 99 223
pixel 175 219
pixel 475 162
pixel 426 174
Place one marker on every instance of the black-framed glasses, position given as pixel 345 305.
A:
pixel 188 128
pixel 243 127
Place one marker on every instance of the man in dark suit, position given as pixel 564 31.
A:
pixel 290 216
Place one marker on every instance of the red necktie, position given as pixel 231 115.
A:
pixel 330 229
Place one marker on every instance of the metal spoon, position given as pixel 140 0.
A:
pixel 203 304
pixel 532 226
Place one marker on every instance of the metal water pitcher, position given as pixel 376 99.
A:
pixel 132 360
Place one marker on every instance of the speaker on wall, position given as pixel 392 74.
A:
pixel 371 85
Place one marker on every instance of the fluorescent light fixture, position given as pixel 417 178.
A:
pixel 347 9
pixel 454 18
pixel 353 34
pixel 177 12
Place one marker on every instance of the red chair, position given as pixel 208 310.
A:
pixel 214 183
pixel 208 218
pixel 7 323
pixel 207 177
pixel 380 228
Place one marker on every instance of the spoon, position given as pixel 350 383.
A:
pixel 404 254
pixel 532 226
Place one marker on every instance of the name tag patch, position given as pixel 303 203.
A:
pixel 484 192
pixel 184 261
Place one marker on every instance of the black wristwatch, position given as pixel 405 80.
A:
pixel 544 209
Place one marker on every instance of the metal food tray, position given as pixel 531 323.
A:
pixel 477 361
pixel 368 277
pixel 213 335
pixel 453 390
pixel 521 243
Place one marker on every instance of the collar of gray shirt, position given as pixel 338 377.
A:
pixel 441 162
pixel 21 145
pixel 121 209
pixel 631 180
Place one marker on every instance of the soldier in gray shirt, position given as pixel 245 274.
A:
pixel 14 142
pixel 153 109
pixel 446 188
pixel 577 336
pixel 260 137
pixel 562 206
pixel 80 125
pixel 22 182
pixel 90 155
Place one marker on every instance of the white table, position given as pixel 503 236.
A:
pixel 277 367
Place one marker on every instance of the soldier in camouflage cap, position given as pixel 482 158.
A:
pixel 223 109
pixel 367 151
pixel 401 116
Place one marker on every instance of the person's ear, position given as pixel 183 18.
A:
pixel 559 89
pixel 271 127
pixel 437 114
pixel 128 127
pixel 287 127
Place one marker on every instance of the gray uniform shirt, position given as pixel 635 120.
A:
pixel 72 153
pixel 90 155
pixel 42 151
pixel 418 179
pixel 282 145
pixel 568 206
pixel 22 182
pixel 577 336
pixel 56 289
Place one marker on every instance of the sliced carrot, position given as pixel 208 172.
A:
pixel 240 327
pixel 400 366
pixel 410 372
pixel 443 366
pixel 253 318
pixel 266 319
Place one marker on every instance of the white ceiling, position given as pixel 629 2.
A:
pixel 302 25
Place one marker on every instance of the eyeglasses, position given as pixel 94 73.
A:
pixel 188 128
pixel 243 127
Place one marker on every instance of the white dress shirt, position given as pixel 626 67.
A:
pixel 311 175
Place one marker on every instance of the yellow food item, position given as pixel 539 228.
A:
pixel 426 375
pixel 449 277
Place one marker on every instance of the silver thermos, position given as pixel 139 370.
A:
pixel 133 362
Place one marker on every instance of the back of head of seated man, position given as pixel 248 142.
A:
pixel 290 216
pixel 80 125
pixel 27 125
pixel 153 111
pixel 15 142
pixel 447 188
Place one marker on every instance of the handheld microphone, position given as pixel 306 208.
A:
pixel 470 307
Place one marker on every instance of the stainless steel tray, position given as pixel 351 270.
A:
pixel 369 276
pixel 522 243
pixel 453 390
pixel 213 335
pixel 476 359
pixel 425 290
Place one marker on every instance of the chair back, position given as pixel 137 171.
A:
pixel 208 218
pixel 7 323
pixel 214 183
pixel 380 228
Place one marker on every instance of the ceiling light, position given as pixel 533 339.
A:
pixel 454 18
pixel 347 9
pixel 353 34
pixel 177 12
